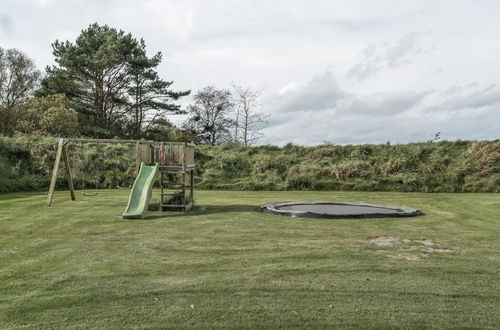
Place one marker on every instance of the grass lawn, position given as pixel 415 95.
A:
pixel 225 265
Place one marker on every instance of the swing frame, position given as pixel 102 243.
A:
pixel 178 157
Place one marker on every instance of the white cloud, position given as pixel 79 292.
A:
pixel 306 116
pixel 467 98
pixel 397 70
pixel 320 93
pixel 6 26
pixel 63 35
pixel 379 56
pixel 44 3
pixel 381 104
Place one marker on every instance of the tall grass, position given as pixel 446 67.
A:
pixel 26 164
pixel 446 166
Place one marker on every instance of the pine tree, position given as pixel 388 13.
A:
pixel 150 95
pixel 112 84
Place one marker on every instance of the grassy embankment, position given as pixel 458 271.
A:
pixel 456 166
pixel 225 265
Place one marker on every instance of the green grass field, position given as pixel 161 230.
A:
pixel 225 265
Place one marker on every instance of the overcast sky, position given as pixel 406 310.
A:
pixel 336 71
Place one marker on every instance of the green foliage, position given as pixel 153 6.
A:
pixel 230 163
pixel 102 166
pixel 19 78
pixel 429 167
pixel 26 164
pixel 479 170
pixel 301 177
pixel 351 168
pixel 112 84
pixel 163 130
pixel 151 96
pixel 460 166
pixel 49 116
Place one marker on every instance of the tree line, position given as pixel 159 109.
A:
pixel 105 85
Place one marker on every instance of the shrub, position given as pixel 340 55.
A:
pixel 230 162
pixel 351 169
pixel 26 164
pixel 301 177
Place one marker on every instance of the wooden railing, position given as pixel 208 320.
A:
pixel 178 155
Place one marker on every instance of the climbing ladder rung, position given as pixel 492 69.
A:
pixel 175 180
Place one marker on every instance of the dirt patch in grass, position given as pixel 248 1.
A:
pixel 432 250
pixel 388 241
pixel 385 241
pixel 426 242
pixel 403 257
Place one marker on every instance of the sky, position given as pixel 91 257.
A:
pixel 343 72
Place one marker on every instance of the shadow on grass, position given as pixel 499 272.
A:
pixel 212 209
pixel 199 210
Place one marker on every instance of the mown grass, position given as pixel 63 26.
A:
pixel 225 265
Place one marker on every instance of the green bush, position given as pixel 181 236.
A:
pixel 459 166
pixel 301 177
pixel 351 169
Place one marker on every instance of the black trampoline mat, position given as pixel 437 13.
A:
pixel 337 210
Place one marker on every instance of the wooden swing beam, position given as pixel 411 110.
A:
pixel 61 151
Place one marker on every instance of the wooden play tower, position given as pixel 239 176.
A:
pixel 177 166
pixel 176 161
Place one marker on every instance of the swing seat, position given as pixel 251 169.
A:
pixel 84 193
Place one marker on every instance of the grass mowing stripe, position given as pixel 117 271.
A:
pixel 225 265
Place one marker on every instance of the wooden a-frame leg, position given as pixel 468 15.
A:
pixel 68 173
pixel 191 186
pixel 54 172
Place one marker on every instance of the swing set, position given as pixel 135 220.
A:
pixel 175 163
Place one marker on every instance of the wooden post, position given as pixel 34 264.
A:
pixel 137 157
pixel 191 184
pixel 54 172
pixel 68 173
pixel 161 156
pixel 184 173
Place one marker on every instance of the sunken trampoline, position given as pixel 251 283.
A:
pixel 338 210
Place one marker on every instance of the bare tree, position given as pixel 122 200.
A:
pixel 208 121
pixel 248 121
pixel 18 79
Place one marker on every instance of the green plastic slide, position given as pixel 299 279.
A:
pixel 141 193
